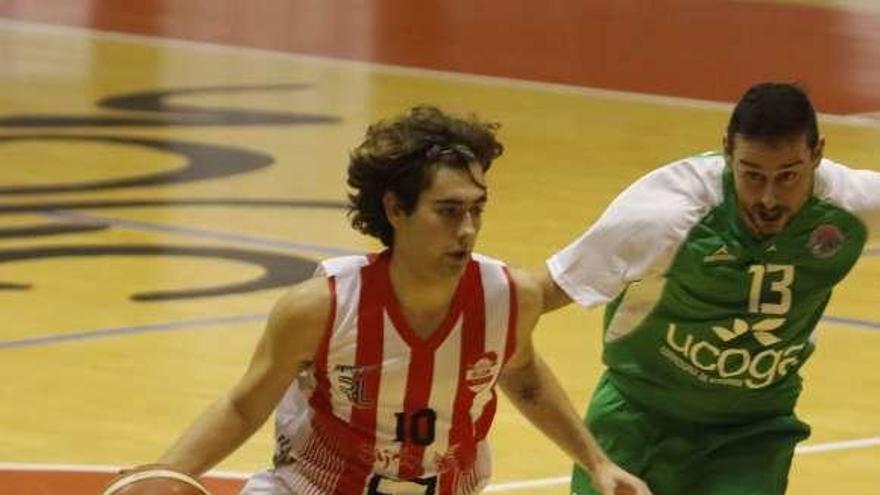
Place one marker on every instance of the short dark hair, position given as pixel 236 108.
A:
pixel 770 112
pixel 400 155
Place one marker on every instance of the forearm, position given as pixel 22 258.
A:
pixel 552 295
pixel 537 394
pixel 209 439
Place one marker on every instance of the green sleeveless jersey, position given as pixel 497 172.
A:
pixel 704 321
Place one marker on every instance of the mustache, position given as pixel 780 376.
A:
pixel 764 212
pixel 764 209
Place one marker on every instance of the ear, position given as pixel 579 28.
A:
pixel 725 146
pixel 819 151
pixel 393 210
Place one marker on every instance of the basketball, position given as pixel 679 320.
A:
pixel 154 480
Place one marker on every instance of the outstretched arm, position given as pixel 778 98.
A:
pixel 553 296
pixel 535 391
pixel 289 341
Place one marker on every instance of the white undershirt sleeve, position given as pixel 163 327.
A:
pixel 857 191
pixel 640 232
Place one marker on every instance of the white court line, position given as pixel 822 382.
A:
pixel 512 486
pixel 859 443
pixel 856 120
pixel 867 115
pixel 507 486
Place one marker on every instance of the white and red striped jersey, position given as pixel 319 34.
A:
pixel 383 411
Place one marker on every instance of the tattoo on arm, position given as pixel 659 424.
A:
pixel 528 392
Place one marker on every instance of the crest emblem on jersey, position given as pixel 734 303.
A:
pixel 481 373
pixel 448 461
pixel 825 241
pixel 351 382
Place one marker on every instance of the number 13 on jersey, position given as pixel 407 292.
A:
pixel 778 300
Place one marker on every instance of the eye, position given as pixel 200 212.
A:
pixel 787 177
pixel 448 211
pixel 477 210
pixel 753 176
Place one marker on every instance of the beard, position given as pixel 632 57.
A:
pixel 765 220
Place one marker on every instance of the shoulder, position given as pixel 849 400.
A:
pixel 855 191
pixel 491 268
pixel 639 233
pixel 525 285
pixel 681 190
pixel 308 301
pixel 297 322
pixel 660 207
pixel 528 290
pixel 343 265
pixel 849 188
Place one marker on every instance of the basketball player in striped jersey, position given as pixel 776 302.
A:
pixel 382 368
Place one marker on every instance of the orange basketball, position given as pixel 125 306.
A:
pixel 155 480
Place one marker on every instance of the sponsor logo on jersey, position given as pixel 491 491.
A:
pixel 825 241
pixel 282 455
pixel 761 330
pixel 351 382
pixel 448 461
pixel 742 367
pixel 481 373
pixel 720 254
pixel 386 458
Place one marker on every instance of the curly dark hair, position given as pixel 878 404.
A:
pixel 400 155
pixel 770 111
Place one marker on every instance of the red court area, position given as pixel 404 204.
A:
pixel 69 482
pixel 706 49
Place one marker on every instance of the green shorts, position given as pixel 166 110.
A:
pixel 676 458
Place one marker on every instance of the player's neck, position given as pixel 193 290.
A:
pixel 424 297
pixel 421 284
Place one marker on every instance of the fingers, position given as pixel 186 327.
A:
pixel 624 486
pixel 640 488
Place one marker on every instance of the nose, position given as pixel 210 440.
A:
pixel 468 226
pixel 768 195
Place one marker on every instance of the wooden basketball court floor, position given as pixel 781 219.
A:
pixel 157 195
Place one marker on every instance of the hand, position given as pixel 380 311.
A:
pixel 610 479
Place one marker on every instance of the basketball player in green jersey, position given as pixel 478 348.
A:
pixel 715 271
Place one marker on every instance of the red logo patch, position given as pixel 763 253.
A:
pixel 825 241
pixel 482 373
